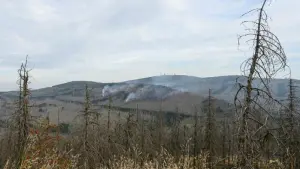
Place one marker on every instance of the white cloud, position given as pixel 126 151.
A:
pixel 114 40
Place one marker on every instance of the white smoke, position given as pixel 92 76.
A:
pixel 139 92
pixel 111 90
pixel 151 92
pixel 131 97
pixel 105 91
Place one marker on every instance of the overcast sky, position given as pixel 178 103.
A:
pixel 116 40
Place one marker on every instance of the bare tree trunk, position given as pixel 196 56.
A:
pixel 108 119
pixel 209 132
pixel 268 58
pixel 86 116
pixel 58 131
pixel 22 114
pixel 224 142
pixel 143 135
pixel 229 154
pixel 195 152
pixel 160 133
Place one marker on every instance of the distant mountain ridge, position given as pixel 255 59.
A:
pixel 157 87
pixel 167 93
pixel 223 87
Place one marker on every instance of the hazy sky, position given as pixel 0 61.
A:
pixel 115 40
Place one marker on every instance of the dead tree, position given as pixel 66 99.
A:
pixel 196 147
pixel 209 131
pixel 224 141
pixel 160 135
pixel 57 129
pixel 143 139
pixel 108 119
pixel 290 128
pixel 230 140
pixel 22 115
pixel 268 58
pixel 86 114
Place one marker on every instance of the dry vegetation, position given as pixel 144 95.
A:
pixel 257 138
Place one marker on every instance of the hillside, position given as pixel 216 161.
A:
pixel 223 87
pixel 168 93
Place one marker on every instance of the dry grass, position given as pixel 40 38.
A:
pixel 41 152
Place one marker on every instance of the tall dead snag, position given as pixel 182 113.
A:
pixel 22 115
pixel 142 141
pixel 57 129
pixel 160 135
pixel 224 141
pixel 209 139
pixel 268 58
pixel 86 117
pixel 196 145
pixel 289 124
pixel 108 119
pixel 229 142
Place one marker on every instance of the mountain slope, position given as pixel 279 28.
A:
pixel 156 87
pixel 171 91
pixel 223 87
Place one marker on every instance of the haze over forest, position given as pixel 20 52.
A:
pixel 144 84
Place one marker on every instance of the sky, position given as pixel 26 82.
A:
pixel 118 40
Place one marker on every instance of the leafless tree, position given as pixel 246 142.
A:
pixel 290 127
pixel 22 115
pixel 210 131
pixel 268 58
pixel 89 118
